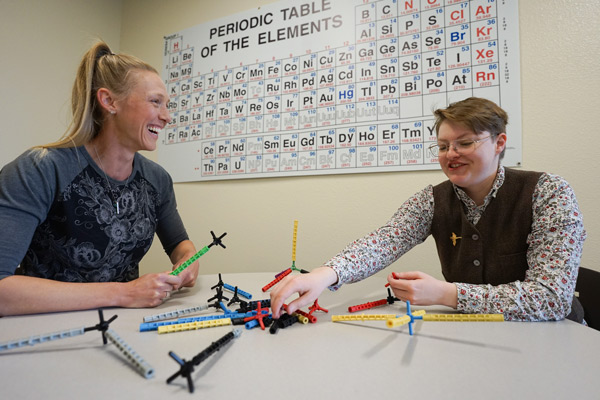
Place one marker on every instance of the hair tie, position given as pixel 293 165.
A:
pixel 103 53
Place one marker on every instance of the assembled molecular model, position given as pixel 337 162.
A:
pixel 187 367
pixel 200 253
pixel 372 304
pixel 393 320
pixel 410 318
pixel 289 270
pixel 134 359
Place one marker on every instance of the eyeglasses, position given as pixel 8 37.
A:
pixel 463 146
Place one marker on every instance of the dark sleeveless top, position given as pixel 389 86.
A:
pixel 493 251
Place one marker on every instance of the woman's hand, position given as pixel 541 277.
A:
pixel 149 290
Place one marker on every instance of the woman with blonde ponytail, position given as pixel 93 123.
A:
pixel 80 213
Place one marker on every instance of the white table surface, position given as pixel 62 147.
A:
pixel 341 360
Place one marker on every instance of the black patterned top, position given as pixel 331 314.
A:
pixel 59 218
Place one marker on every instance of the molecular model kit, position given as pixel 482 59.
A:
pixel 238 309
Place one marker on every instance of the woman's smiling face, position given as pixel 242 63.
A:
pixel 143 113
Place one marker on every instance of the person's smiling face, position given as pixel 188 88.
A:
pixel 143 113
pixel 474 169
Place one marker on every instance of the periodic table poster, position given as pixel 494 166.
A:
pixel 333 86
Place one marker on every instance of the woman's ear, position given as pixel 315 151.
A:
pixel 106 100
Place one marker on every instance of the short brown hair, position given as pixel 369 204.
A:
pixel 478 114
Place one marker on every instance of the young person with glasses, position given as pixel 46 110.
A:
pixel 509 241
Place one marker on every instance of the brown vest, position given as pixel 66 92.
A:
pixel 493 251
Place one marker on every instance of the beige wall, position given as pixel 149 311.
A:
pixel 41 43
pixel 560 49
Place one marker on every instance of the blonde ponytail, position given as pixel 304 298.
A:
pixel 99 68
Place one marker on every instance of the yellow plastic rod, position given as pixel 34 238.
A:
pixel 464 317
pixel 294 237
pixel 194 325
pixel 363 317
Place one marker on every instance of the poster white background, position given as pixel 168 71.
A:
pixel 332 86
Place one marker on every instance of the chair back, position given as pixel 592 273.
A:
pixel 588 286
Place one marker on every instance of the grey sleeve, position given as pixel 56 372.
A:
pixel 26 192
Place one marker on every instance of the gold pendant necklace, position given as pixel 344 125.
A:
pixel 112 193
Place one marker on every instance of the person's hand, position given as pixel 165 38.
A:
pixel 150 290
pixel 189 275
pixel 183 252
pixel 422 289
pixel 308 286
